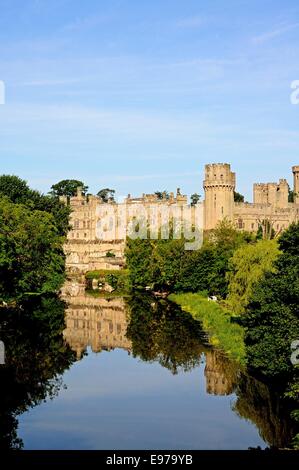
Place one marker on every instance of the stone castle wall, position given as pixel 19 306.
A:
pixel 86 250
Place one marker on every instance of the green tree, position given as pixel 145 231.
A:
pixel 247 266
pixel 15 188
pixel 138 258
pixel 31 251
pixel 272 317
pixel 18 192
pixel 238 197
pixel 195 198
pixel 68 188
pixel 106 194
pixel 162 194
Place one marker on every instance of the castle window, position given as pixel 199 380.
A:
pixel 84 224
pixel 221 177
pixel 240 223
pixel 252 226
pixel 110 327
pixel 222 211
pixel 78 235
pixel 118 328
pixel 99 326
pixel 88 224
pixel 76 224
pixel 85 235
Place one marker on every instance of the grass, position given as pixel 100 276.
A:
pixel 101 273
pixel 216 321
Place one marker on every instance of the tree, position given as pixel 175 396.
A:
pixel 291 195
pixel 68 188
pixel 162 194
pixel 265 229
pixel 15 188
pixel 18 192
pixel 238 197
pixel 195 198
pixel 247 266
pixel 106 194
pixel 31 251
pixel 271 319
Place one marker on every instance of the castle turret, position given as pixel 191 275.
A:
pixel 295 170
pixel 219 186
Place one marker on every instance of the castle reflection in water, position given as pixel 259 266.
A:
pixel 101 324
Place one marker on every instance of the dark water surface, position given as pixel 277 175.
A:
pixel 126 374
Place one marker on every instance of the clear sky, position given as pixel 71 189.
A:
pixel 138 95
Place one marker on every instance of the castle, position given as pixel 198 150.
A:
pixel 86 251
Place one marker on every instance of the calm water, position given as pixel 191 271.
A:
pixel 128 374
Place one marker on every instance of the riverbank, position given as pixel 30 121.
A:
pixel 217 321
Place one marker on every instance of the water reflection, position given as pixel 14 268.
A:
pixel 100 323
pixel 36 356
pixel 46 336
pixel 161 332
pixel 221 373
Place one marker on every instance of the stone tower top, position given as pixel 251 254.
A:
pixel 295 170
pixel 219 173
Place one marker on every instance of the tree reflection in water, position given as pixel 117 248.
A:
pixel 161 331
pixel 35 357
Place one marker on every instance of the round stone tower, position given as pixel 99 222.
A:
pixel 295 170
pixel 219 185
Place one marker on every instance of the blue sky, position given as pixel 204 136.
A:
pixel 138 95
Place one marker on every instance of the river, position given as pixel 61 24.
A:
pixel 127 373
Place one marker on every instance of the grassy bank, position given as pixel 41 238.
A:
pixel 116 279
pixel 216 320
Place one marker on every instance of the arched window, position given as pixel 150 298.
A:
pixel 240 223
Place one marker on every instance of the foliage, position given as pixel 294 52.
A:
pixel 195 198
pixel 18 191
pixel 31 255
pixel 291 196
pixel 118 281
pixel 272 316
pixel 166 265
pixel 110 254
pixel 138 258
pixel 106 194
pixel 247 266
pixel 238 197
pixel 15 188
pixel 265 230
pixel 205 269
pixel 162 194
pixel 216 320
pixel 68 188
pixel 116 278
